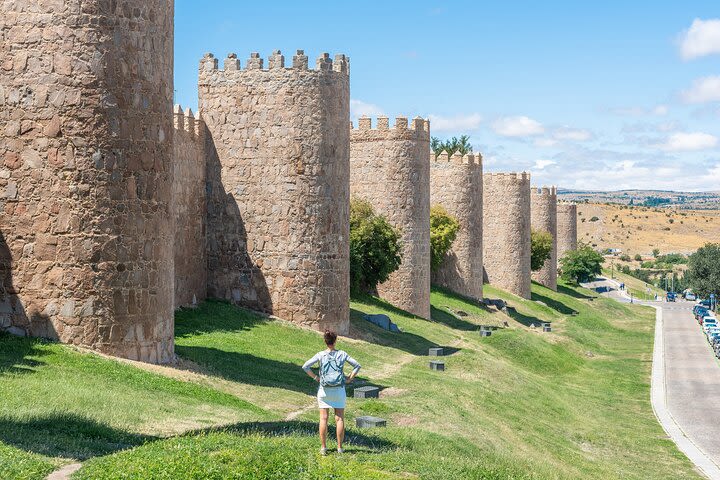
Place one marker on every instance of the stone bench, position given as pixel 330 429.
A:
pixel 370 422
pixel 437 365
pixel 436 352
pixel 366 392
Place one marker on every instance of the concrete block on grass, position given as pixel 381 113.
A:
pixel 370 422
pixel 437 365
pixel 436 352
pixel 366 392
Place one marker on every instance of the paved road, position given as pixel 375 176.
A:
pixel 686 381
pixel 692 379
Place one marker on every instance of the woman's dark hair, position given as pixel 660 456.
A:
pixel 330 337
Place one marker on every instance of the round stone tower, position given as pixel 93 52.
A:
pixel 566 228
pixel 86 142
pixel 456 184
pixel 390 168
pixel 543 215
pixel 278 185
pixel 506 231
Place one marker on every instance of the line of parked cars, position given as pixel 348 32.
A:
pixel 707 320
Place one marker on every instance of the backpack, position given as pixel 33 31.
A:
pixel 331 372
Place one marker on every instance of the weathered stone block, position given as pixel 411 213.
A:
pixel 370 422
pixel 436 352
pixel 437 365
pixel 366 392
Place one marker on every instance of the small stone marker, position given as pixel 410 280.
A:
pixel 370 422
pixel 485 332
pixel 438 365
pixel 366 392
pixel 436 352
pixel 546 327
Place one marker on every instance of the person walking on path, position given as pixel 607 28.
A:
pixel 331 392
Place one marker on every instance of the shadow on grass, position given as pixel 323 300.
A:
pixel 573 293
pixel 215 316
pixel 246 368
pixel 556 305
pixel 366 331
pixel 526 320
pixel 298 427
pixel 440 315
pixel 15 353
pixel 67 435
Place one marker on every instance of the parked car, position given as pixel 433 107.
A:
pixel 708 318
pixel 690 297
pixel 670 297
pixel 697 307
pixel 705 303
pixel 702 312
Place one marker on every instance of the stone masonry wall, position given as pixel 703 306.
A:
pixel 189 208
pixel 566 228
pixel 85 149
pixel 543 214
pixel 278 185
pixel 506 231
pixel 456 183
pixel 390 168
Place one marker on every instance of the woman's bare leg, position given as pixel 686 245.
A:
pixel 340 425
pixel 323 426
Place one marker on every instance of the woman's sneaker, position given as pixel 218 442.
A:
pixel 323 451
pixel 340 450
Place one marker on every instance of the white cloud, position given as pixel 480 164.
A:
pixel 358 108
pixel 689 142
pixel 457 123
pixel 541 164
pixel 575 134
pixel 705 89
pixel 703 38
pixel 660 110
pixel 657 111
pixel 520 126
pixel 545 142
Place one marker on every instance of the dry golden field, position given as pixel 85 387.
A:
pixel 641 229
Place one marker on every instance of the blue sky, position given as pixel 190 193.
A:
pixel 590 95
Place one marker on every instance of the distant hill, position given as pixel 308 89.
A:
pixel 641 229
pixel 650 198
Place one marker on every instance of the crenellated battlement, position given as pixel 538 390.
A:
pixel 545 191
pixel 522 176
pixel 418 128
pixel 209 64
pixel 457 158
pixel 186 121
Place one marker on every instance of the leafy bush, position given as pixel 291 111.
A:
pixel 594 219
pixel 374 247
pixel 443 230
pixel 656 252
pixel 581 265
pixel 541 243
pixel 625 257
pixel 638 257
pixel 673 259
pixel 703 272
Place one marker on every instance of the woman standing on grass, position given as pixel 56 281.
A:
pixel 331 392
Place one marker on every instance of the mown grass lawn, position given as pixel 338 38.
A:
pixel 573 403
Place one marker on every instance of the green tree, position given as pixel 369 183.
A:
pixel 443 231
pixel 452 145
pixel 638 257
pixel 541 243
pixel 581 265
pixel 703 274
pixel 656 252
pixel 375 250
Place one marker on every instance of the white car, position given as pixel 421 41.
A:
pixel 712 330
pixel 707 325
pixel 708 318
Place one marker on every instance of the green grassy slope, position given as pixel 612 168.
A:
pixel 573 403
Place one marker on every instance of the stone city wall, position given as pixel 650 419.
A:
pixel 85 182
pixel 456 183
pixel 278 185
pixel 543 204
pixel 390 168
pixel 189 208
pixel 506 231
pixel 566 228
